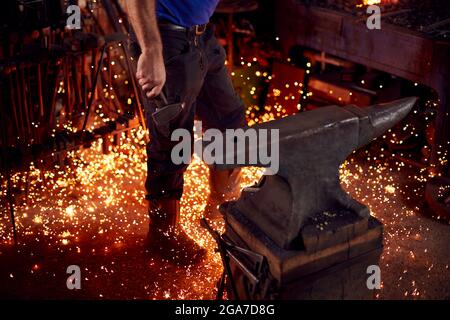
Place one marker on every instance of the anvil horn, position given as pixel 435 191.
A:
pixel 380 118
pixel 312 146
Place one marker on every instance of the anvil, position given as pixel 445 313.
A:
pixel 312 147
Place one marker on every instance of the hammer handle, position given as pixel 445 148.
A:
pixel 161 100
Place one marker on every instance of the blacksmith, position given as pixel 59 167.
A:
pixel 180 56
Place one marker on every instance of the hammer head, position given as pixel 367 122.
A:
pixel 165 114
pixel 312 146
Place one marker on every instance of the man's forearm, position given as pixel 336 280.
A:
pixel 142 14
pixel 150 71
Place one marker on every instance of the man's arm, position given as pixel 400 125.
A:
pixel 151 72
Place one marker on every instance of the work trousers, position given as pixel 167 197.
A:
pixel 197 77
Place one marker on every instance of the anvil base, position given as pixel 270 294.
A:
pixel 329 261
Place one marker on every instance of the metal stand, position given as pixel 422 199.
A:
pixel 258 280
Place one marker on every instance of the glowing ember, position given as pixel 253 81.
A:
pixel 370 2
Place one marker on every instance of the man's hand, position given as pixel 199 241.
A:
pixel 151 72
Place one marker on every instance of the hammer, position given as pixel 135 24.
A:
pixel 165 113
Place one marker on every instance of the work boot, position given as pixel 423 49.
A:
pixel 166 236
pixel 225 186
